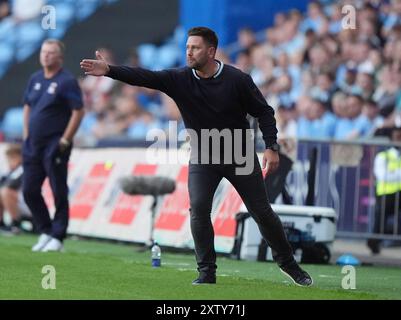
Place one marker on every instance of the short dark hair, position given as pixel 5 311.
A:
pixel 207 34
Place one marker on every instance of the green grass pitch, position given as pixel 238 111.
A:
pixel 91 269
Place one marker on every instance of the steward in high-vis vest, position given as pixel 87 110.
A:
pixel 387 171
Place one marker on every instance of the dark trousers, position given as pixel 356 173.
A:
pixel 385 213
pixel 39 163
pixel 202 183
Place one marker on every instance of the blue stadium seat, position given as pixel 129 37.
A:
pixel 6 57
pixel 29 36
pixel 57 33
pixel 64 13
pixel 147 55
pixel 7 31
pixel 6 52
pixel 12 125
pixel 86 8
pixel 167 56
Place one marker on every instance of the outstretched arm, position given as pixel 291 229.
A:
pixel 159 80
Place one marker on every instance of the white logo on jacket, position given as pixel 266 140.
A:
pixel 52 88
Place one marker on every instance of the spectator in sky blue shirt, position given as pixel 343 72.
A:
pixel 316 122
pixel 353 124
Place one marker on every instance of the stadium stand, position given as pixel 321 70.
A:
pixel 79 20
pixel 321 79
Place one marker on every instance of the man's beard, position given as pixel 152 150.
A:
pixel 197 65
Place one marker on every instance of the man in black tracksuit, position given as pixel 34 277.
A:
pixel 210 96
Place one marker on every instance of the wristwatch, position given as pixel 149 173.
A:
pixel 275 147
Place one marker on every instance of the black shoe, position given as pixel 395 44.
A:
pixel 297 275
pixel 205 279
pixel 374 245
pixel 4 228
pixel 15 227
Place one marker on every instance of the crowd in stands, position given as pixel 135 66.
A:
pixel 324 77
pixel 4 9
pixel 115 110
pixel 323 80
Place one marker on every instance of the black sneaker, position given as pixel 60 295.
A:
pixel 15 227
pixel 205 279
pixel 297 275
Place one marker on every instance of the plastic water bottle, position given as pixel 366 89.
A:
pixel 156 255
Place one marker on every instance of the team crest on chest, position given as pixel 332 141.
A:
pixel 37 86
pixel 52 88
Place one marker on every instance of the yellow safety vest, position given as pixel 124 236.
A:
pixel 393 164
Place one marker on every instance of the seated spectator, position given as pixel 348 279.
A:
pixel 279 91
pixel 314 17
pixel 364 85
pixel 4 8
pixel 286 123
pixel 320 59
pixel 284 66
pixel 171 113
pixel 371 111
pixel 324 88
pixel 352 124
pixel 263 64
pixel 291 41
pixel 360 56
pixel 246 38
pixel 307 83
pixel 393 18
pixel 96 88
pixel 117 118
pixel 243 61
pixel 346 77
pixel 222 56
pixel 11 199
pixel 142 125
pixel 133 58
pixel 149 100
pixel 316 122
pixel 394 119
pixel 336 18
pixel 386 93
pixel 368 32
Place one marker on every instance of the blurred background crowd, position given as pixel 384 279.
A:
pixel 325 75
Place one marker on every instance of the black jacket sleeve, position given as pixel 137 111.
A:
pixel 159 80
pixel 256 105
